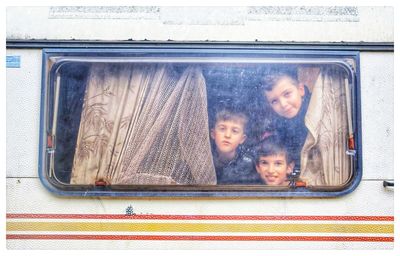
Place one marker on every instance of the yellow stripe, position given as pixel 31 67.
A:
pixel 199 227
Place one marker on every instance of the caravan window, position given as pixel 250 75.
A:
pixel 200 122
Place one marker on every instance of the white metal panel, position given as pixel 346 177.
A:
pixel 377 88
pixel 369 199
pixel 279 23
pixel 195 245
pixel 23 105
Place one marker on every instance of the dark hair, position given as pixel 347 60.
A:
pixel 273 145
pixel 228 114
pixel 270 77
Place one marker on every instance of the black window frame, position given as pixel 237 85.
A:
pixel 179 51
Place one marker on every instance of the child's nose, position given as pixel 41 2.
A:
pixel 227 133
pixel 283 103
pixel 270 169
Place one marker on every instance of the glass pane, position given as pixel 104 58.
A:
pixel 254 123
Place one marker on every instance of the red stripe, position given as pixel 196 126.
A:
pixel 196 217
pixel 207 238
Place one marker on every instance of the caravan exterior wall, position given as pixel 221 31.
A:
pixel 361 219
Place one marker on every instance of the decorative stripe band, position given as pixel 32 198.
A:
pixel 199 227
pixel 208 227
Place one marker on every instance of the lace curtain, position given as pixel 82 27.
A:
pixel 144 124
pixel 324 161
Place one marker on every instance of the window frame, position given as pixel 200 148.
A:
pixel 179 51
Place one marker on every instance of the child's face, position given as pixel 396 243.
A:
pixel 286 97
pixel 228 135
pixel 273 169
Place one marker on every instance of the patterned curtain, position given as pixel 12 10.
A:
pixel 324 161
pixel 144 124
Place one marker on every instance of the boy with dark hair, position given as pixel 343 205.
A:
pixel 289 100
pixel 274 162
pixel 233 165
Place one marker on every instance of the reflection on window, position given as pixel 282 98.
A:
pixel 220 123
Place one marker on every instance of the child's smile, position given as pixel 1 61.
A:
pixel 273 169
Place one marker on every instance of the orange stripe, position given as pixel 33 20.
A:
pixel 207 238
pixel 196 217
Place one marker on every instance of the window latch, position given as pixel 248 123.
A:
pixel 388 183
pixel 50 143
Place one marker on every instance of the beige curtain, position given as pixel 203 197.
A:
pixel 324 161
pixel 144 124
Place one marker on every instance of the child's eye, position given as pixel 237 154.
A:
pixel 273 102
pixel 235 131
pixel 287 94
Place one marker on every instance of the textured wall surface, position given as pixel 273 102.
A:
pixel 377 89
pixel 290 23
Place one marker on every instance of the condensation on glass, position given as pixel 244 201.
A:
pixel 185 121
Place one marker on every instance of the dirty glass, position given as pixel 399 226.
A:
pixel 199 122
